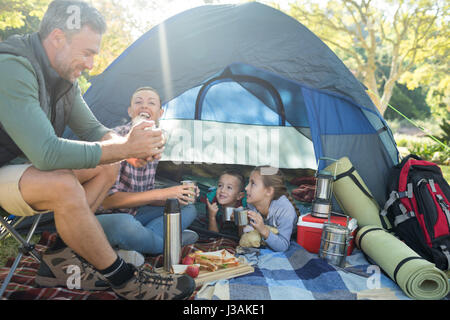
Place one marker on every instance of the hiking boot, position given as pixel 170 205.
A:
pixel 145 285
pixel 61 268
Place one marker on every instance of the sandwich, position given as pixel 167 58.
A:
pixel 215 260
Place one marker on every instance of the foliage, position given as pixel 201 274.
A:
pixel 378 45
pixel 445 127
pixel 411 103
pixel 20 16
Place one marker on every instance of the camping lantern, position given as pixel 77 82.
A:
pixel 321 205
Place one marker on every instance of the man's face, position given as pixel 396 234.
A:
pixel 146 102
pixel 77 53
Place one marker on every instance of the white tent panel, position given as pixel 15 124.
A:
pixel 197 141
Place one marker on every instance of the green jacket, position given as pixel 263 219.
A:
pixel 35 107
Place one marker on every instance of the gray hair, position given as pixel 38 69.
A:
pixel 70 16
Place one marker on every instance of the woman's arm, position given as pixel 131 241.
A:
pixel 151 197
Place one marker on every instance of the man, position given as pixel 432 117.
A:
pixel 41 172
pixel 135 222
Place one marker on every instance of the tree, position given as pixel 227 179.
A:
pixel 379 41
pixel 20 16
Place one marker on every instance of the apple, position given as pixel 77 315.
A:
pixel 188 260
pixel 192 271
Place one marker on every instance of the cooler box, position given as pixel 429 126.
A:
pixel 309 231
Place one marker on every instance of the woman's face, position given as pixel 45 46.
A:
pixel 146 102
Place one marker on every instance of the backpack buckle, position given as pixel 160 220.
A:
pixel 404 216
pixel 392 198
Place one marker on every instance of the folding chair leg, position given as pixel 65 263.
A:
pixel 26 248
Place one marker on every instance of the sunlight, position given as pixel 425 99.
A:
pixel 165 60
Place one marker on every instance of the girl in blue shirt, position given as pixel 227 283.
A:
pixel 269 203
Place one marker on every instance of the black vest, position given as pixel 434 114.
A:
pixel 56 95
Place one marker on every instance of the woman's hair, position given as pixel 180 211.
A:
pixel 237 175
pixel 273 177
pixel 146 89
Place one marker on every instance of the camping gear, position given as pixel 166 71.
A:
pixel 227 213
pixel 309 231
pixel 301 102
pixel 353 195
pixel 240 217
pixel 419 209
pixel 27 248
pixel 172 234
pixel 334 243
pixel 417 277
pixel 321 205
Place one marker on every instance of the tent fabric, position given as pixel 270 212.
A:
pixel 252 65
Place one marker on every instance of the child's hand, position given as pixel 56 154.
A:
pixel 213 208
pixel 257 222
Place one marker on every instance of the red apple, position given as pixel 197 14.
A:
pixel 193 271
pixel 188 260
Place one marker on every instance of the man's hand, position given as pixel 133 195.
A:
pixel 144 142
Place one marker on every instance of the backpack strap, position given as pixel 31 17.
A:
pixel 445 251
pixel 349 173
pixel 444 207
pixel 404 216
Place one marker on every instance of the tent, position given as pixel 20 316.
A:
pixel 249 85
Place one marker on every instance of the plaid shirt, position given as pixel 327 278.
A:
pixel 132 179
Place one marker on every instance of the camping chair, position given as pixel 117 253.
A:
pixel 8 227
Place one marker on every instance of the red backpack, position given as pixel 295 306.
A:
pixel 418 208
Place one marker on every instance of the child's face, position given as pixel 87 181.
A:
pixel 256 191
pixel 146 101
pixel 228 190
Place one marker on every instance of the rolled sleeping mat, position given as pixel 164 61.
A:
pixel 417 277
pixel 353 196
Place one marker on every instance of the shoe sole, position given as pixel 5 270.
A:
pixel 49 282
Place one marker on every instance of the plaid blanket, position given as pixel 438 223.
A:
pixel 292 275
pixel 299 275
pixel 22 286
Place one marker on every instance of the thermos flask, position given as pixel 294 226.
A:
pixel 172 234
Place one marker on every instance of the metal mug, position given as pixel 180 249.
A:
pixel 240 217
pixel 192 188
pixel 227 213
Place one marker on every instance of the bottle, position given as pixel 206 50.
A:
pixel 172 234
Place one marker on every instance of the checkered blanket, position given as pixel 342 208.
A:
pixel 299 275
pixel 292 275
pixel 22 286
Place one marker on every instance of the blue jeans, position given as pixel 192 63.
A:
pixel 143 232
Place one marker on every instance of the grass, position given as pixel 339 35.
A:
pixel 9 247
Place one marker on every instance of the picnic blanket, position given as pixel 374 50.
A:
pixel 22 286
pixel 292 275
pixel 299 275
